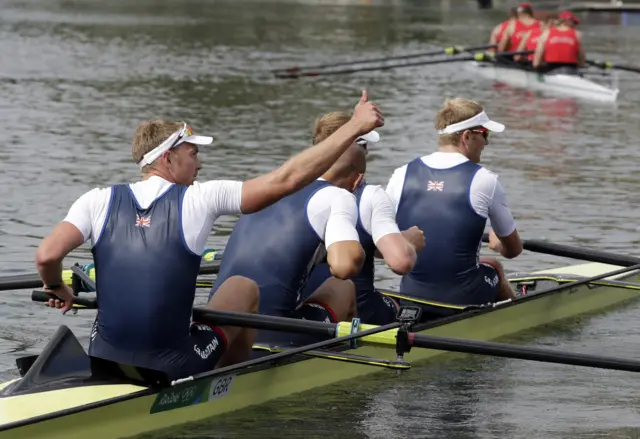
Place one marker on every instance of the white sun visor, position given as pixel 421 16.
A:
pixel 183 135
pixel 370 137
pixel 479 120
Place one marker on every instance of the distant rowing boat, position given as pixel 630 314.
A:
pixel 62 402
pixel 558 84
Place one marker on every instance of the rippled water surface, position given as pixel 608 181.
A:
pixel 77 76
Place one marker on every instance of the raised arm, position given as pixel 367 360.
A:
pixel 305 167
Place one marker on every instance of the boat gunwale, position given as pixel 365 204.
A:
pixel 417 328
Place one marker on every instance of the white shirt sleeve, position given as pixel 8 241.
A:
pixel 333 214
pixel 489 201
pixel 377 213
pixel 203 203
pixel 395 185
pixel 502 221
pixel 89 213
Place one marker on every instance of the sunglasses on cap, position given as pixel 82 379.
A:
pixel 184 132
pixel 485 132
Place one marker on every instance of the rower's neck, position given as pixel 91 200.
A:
pixel 159 172
pixel 451 149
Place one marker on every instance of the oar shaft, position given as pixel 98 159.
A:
pixel 575 252
pixel 523 353
pixel 446 51
pixel 260 321
pixel 30 281
pixel 477 57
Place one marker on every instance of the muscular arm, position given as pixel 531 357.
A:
pixel 509 244
pixel 378 218
pixel 523 43
pixel 581 55
pixel 539 52
pixel 494 35
pixel 506 37
pixel 333 214
pixel 302 169
pixel 65 237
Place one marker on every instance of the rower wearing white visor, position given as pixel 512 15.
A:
pixel 147 239
pixel 379 235
pixel 450 196
pixel 279 246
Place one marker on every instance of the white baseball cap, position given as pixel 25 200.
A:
pixel 183 135
pixel 479 120
pixel 370 137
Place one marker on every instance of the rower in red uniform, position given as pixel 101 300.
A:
pixel 560 47
pixel 498 31
pixel 518 28
pixel 530 41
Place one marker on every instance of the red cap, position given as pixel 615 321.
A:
pixel 525 5
pixel 568 16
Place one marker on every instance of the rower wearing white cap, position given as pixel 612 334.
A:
pixel 379 235
pixel 279 246
pixel 449 196
pixel 147 239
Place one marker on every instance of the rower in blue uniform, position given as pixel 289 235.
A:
pixel 450 196
pixel 279 246
pixel 147 238
pixel 378 233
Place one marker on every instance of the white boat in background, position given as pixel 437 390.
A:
pixel 557 84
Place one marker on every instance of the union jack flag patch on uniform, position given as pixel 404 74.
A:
pixel 435 186
pixel 143 221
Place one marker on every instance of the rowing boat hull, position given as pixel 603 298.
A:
pixel 568 85
pixel 116 411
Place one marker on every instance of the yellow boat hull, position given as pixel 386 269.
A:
pixel 118 411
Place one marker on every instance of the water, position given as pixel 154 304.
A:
pixel 76 78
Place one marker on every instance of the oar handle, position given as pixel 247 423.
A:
pixel 85 302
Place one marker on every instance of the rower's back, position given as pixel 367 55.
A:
pixel 147 274
pixel 276 247
pixel 436 199
pixel 450 196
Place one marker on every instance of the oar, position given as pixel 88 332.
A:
pixel 610 65
pixel 522 352
pixel 454 50
pixel 29 281
pixel 480 56
pixel 384 336
pixel 575 252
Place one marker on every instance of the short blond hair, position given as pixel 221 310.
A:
pixel 454 111
pixel 328 124
pixel 150 134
